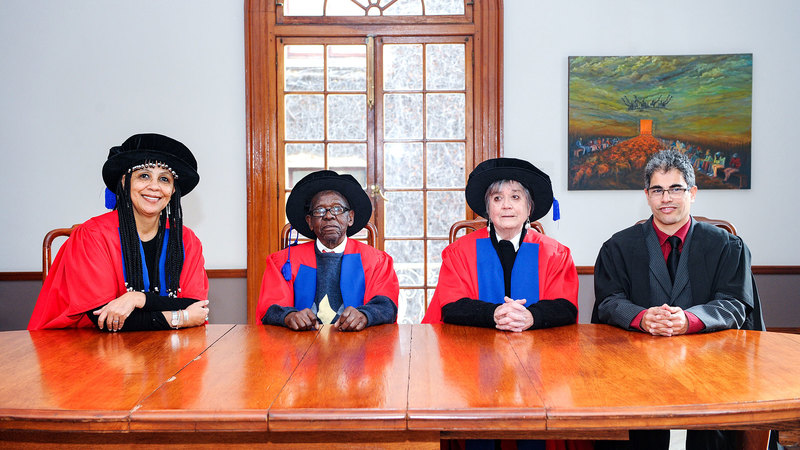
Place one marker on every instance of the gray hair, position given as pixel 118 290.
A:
pixel 666 160
pixel 498 185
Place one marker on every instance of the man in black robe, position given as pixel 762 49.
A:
pixel 673 275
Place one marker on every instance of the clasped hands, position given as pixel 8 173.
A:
pixel 664 320
pixel 350 320
pixel 513 316
pixel 113 314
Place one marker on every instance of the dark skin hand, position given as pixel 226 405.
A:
pixel 351 320
pixel 302 320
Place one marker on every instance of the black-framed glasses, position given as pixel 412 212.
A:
pixel 673 191
pixel 334 210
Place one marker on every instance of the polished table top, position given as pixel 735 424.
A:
pixel 577 380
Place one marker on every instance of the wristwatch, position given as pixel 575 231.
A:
pixel 175 318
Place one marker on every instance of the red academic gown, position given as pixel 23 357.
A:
pixel 369 272
pixel 542 271
pixel 87 273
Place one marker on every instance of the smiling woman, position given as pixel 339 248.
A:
pixel 138 267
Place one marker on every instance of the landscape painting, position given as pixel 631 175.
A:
pixel 622 109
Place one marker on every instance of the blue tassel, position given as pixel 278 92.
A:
pixel 556 210
pixel 286 269
pixel 111 199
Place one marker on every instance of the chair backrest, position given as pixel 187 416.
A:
pixel 47 244
pixel 372 234
pixel 476 224
pixel 724 224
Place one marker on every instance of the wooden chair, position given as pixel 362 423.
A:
pixel 724 224
pixel 476 224
pixel 372 235
pixel 47 244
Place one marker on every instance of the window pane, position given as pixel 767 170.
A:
pixel 408 261
pixel 404 214
pixel 305 117
pixel 441 7
pixel 403 8
pixel 343 8
pixel 445 66
pixel 445 164
pixel 412 306
pixel 347 117
pixel 349 158
pixel 402 165
pixel 444 209
pixel 435 248
pixel 403 116
pixel 445 116
pixel 303 7
pixel 402 67
pixel 303 66
pixel 347 68
pixel 302 159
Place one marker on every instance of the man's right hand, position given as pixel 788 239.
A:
pixel 301 320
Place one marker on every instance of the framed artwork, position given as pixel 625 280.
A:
pixel 622 109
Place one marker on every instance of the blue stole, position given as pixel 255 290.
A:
pixel 524 274
pixel 351 282
pixel 162 276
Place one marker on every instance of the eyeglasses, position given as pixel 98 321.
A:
pixel 334 210
pixel 674 191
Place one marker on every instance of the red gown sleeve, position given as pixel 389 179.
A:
pixel 560 280
pixel 275 290
pixel 380 277
pixel 457 279
pixel 194 280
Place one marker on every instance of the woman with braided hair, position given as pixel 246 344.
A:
pixel 136 267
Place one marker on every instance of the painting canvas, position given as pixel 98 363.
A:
pixel 622 109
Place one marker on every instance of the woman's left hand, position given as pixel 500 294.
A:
pixel 513 316
pixel 114 313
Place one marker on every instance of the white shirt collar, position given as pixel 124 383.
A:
pixel 339 248
pixel 515 241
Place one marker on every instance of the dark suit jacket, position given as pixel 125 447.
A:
pixel 714 280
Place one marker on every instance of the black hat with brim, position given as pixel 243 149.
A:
pixel 299 200
pixel 489 171
pixel 151 148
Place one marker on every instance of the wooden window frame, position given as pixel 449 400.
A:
pixel 262 29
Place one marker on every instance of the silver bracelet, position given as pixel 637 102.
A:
pixel 175 320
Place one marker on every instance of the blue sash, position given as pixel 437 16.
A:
pixel 162 276
pixel 524 274
pixel 351 282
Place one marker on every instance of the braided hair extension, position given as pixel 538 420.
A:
pixel 174 263
pixel 129 240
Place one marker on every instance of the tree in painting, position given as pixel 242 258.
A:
pixel 622 109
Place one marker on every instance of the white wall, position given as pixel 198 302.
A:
pixel 540 35
pixel 80 76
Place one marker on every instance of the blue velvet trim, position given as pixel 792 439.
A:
pixel 162 260
pixel 305 287
pixel 491 287
pixel 351 280
pixel 525 274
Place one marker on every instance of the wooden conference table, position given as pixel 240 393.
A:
pixel 390 386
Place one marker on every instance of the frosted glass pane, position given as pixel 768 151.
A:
pixel 303 68
pixel 403 116
pixel 349 158
pixel 444 209
pixel 402 166
pixel 402 67
pixel 347 68
pixel 445 116
pixel 445 164
pixel 411 306
pixel 347 117
pixel 302 159
pixel 403 214
pixel 343 8
pixel 408 261
pixel 435 260
pixel 304 117
pixel 444 7
pixel 302 7
pixel 445 66
pixel 403 8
